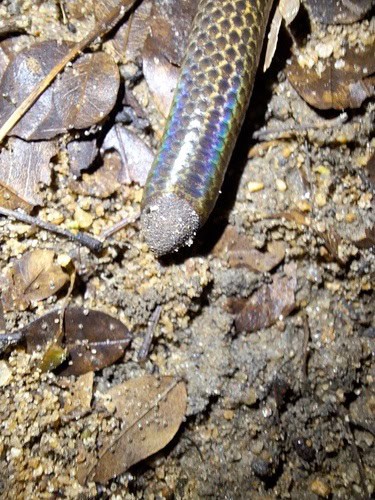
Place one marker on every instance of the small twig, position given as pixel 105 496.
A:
pixel 267 134
pixel 145 348
pixel 107 233
pixel 84 239
pixel 99 30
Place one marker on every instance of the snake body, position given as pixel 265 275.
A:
pixel 208 110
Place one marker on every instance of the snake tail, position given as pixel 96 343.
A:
pixel 207 113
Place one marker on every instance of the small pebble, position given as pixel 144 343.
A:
pixel 253 187
pixel 63 260
pixel 228 414
pixel 320 488
pixel 321 200
pixel 304 206
pixel 55 217
pixel 324 50
pixel 281 185
pixel 5 374
pixel 83 218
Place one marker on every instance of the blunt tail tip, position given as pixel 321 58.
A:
pixel 169 223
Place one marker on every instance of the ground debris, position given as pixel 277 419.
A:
pixel 36 276
pixel 267 305
pixel 151 410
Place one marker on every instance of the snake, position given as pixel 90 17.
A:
pixel 208 109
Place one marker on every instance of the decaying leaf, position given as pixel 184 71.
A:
pixel 165 47
pixel 81 97
pixel 52 358
pixel 104 181
pixel 152 410
pixel 268 304
pixel 237 250
pixel 368 241
pixel 23 167
pixel 129 39
pixel 86 91
pixel 136 156
pixel 91 338
pixel 287 10
pixel 81 155
pixel 339 11
pixel 34 277
pixel 335 83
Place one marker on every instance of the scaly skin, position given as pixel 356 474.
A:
pixel 208 110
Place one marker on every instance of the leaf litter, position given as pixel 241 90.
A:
pixel 151 410
pixel 34 277
pixel 83 96
pixel 228 375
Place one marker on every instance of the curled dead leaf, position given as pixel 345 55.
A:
pixel 268 304
pixel 152 410
pixel 340 84
pixel 237 250
pixel 165 47
pixel 136 156
pixel 23 167
pixel 129 39
pixel 81 97
pixel 92 339
pixel 34 277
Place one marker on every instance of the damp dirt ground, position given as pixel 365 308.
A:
pixel 283 412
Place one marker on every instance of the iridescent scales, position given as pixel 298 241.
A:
pixel 209 106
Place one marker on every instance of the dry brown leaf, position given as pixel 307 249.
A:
pixel 91 338
pixel 9 199
pixel 81 155
pixel 268 304
pixel 34 277
pixel 86 91
pixel 102 8
pixel 23 167
pixel 130 38
pixel 21 76
pixel 77 10
pixel 369 239
pixel 81 97
pixel 165 47
pixel 237 250
pixel 152 410
pixel 338 86
pixel 136 156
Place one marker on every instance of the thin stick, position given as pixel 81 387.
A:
pixel 84 239
pixel 145 349
pixel 107 233
pixel 100 29
pixel 288 129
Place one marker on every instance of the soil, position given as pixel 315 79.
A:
pixel 285 412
